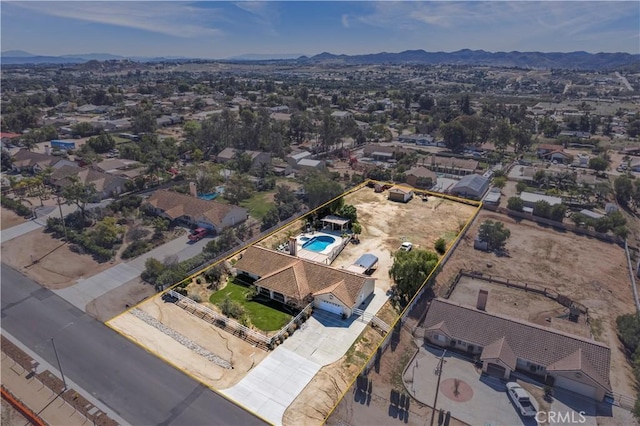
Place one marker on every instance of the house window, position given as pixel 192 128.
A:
pixel 440 338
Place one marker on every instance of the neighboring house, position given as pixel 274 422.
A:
pixel 418 177
pixel 279 108
pixel 281 168
pixel 121 167
pixel 471 186
pixel 341 115
pixel 297 282
pixel 575 134
pixel 424 140
pixel 505 344
pixel 547 148
pixel 195 211
pixel 309 164
pixel 106 185
pixel 383 152
pixel 402 195
pixel 169 120
pixel 257 157
pixel 115 125
pixel 452 165
pixel 6 138
pixel 529 199
pixel 294 158
pixel 33 162
pixel 558 156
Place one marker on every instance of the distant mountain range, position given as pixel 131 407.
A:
pixel 533 60
pixel 569 60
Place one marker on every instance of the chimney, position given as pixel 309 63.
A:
pixel 483 295
pixel 47 150
pixel 292 246
pixel 192 189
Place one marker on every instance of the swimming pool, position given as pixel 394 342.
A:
pixel 208 197
pixel 319 243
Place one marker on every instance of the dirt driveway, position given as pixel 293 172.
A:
pixel 56 265
pixel 587 270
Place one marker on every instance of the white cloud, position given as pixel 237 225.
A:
pixel 264 13
pixel 345 21
pixel 180 19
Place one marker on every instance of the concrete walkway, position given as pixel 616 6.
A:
pixel 273 384
pixel 18 230
pixel 86 290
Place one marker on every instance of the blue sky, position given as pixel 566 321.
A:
pixel 224 29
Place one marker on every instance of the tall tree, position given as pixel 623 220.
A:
pixel 79 193
pixel 455 136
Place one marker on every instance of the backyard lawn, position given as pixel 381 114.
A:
pixel 257 205
pixel 262 316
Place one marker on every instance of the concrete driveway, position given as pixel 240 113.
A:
pixel 85 290
pixel 487 402
pixel 273 384
pixel 325 337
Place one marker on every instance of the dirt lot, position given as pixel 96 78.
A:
pixel 239 353
pixel 587 270
pixel 57 266
pixel 517 303
pixel 420 222
pixel 11 416
pixel 8 219
pixel 119 299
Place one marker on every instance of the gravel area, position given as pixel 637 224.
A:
pixel 180 338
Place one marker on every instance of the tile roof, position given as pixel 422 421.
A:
pixel 578 362
pixel 25 158
pixel 420 171
pixel 101 181
pixel 176 205
pixel 298 278
pixel 501 350
pixel 537 344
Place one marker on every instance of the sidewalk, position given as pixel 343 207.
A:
pixel 39 398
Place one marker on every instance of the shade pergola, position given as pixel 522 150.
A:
pixel 336 222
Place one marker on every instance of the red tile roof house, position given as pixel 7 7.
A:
pixel 298 282
pixel 505 344
pixel 194 211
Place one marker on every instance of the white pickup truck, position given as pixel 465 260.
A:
pixel 521 399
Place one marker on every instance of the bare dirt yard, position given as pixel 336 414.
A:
pixel 55 267
pixel 585 269
pixel 119 299
pixel 386 224
pixel 9 219
pixel 241 354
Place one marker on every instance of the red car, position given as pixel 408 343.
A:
pixel 197 234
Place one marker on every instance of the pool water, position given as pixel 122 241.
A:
pixel 319 243
pixel 208 197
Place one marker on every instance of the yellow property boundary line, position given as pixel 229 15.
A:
pixel 435 270
pixel 350 191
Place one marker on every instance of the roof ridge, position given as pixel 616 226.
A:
pixel 522 322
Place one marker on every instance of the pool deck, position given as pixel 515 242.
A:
pixel 320 257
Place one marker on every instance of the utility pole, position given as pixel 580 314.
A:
pixel 64 382
pixel 439 373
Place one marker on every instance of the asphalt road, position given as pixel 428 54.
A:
pixel 141 388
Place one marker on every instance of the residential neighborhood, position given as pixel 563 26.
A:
pixel 326 239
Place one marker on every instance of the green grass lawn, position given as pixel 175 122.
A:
pixel 257 205
pixel 262 316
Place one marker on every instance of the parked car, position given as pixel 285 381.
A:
pixel 198 234
pixel 406 246
pixel 521 399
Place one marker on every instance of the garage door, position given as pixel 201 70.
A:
pixel 330 307
pixel 495 370
pixel 577 387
